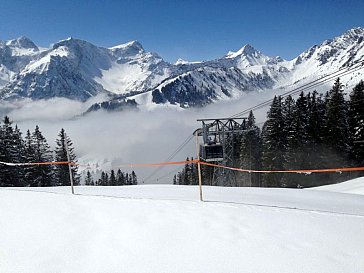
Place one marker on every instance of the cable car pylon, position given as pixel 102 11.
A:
pixel 220 137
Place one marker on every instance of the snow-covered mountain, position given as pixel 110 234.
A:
pixel 14 56
pixel 78 70
pixel 248 70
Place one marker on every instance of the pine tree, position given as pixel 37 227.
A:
pixel 194 173
pixel 187 173
pixel 250 154
pixel 112 179
pixel 356 124
pixel 179 178
pixel 273 143
pixel 127 179
pixel 42 174
pixel 297 142
pixel 19 157
pixel 134 179
pixel 104 179
pixel 6 178
pixel 336 127
pixel 12 151
pixel 89 181
pixel 315 134
pixel 62 176
pixel 107 182
pixel 336 136
pixel 120 178
pixel 30 171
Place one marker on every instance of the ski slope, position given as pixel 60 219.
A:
pixel 164 228
pixel 353 186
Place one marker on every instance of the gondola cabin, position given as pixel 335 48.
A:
pixel 211 152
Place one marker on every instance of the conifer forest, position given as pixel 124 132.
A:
pixel 34 148
pixel 314 131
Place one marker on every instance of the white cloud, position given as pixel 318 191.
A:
pixel 113 139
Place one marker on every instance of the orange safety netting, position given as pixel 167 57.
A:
pixel 351 169
pixel 286 171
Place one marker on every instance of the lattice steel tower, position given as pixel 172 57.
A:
pixel 220 145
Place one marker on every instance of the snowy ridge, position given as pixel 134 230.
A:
pixel 78 70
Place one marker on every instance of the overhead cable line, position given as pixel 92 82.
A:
pixel 342 72
pixel 171 156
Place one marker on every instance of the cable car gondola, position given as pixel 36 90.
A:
pixel 212 152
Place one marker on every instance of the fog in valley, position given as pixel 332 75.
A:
pixel 107 140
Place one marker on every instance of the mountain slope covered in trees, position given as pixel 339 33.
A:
pixel 315 131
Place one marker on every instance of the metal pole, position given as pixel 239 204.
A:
pixel 69 162
pixel 199 166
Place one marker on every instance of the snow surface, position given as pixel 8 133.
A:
pixel 353 186
pixel 164 228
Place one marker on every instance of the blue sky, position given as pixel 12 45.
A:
pixel 192 30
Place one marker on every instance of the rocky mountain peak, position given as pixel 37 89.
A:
pixel 246 50
pixel 22 42
pixel 128 49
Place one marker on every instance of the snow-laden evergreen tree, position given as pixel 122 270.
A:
pixel 336 136
pixel 337 128
pixel 112 179
pixel 12 151
pixel 127 179
pixel 30 171
pixel 273 144
pixel 315 132
pixel 356 124
pixel 19 156
pixel 250 154
pixel 104 179
pixel 89 181
pixel 188 173
pixel 42 175
pixel 297 142
pixel 134 179
pixel 194 173
pixel 120 178
pixel 62 176
pixel 6 178
pixel 289 110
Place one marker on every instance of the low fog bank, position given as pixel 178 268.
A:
pixel 108 140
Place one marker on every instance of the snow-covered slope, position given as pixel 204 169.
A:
pixel 165 229
pixel 330 56
pixel 133 69
pixel 352 186
pixel 79 70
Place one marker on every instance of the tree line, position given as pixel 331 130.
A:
pixel 117 178
pixel 314 131
pixel 34 148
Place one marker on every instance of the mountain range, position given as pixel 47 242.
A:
pixel 78 70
